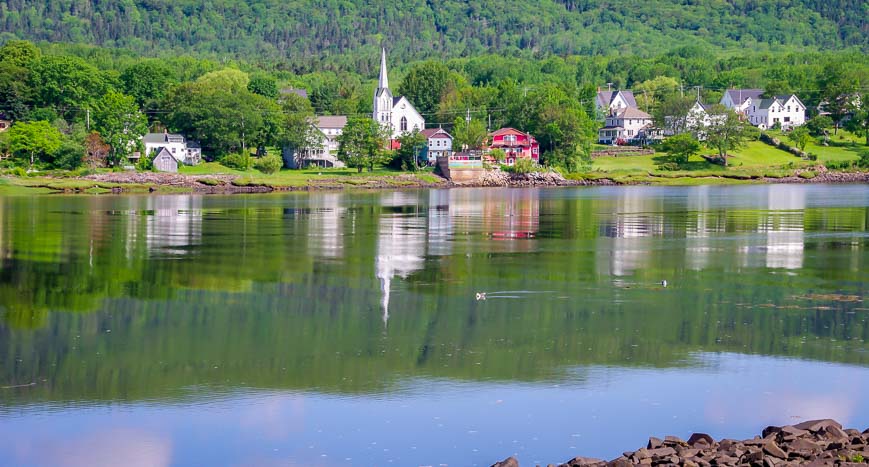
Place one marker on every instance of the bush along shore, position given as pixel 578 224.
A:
pixel 813 443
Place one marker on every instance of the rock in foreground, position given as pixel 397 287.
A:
pixel 815 443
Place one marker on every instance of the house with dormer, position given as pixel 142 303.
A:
pixel 788 111
pixel 626 126
pixel 609 102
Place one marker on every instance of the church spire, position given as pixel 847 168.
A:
pixel 383 83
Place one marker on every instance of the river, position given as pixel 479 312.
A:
pixel 432 327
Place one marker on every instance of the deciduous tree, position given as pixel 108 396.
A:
pixel 34 140
pixel 726 131
pixel 362 144
pixel 121 124
pixel 681 147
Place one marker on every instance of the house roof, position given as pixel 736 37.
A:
pixel 332 121
pixel 632 112
pixel 605 98
pixel 766 103
pixel 431 132
pixel 739 96
pixel 508 131
pixel 298 92
pixel 157 138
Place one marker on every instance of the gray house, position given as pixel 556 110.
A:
pixel 164 161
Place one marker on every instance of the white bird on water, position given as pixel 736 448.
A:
pixel 664 282
pixel 481 295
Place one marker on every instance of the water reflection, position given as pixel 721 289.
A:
pixel 261 287
pixel 167 304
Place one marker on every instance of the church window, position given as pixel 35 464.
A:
pixel 403 123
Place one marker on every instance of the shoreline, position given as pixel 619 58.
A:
pixel 815 442
pixel 164 183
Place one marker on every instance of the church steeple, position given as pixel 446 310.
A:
pixel 383 82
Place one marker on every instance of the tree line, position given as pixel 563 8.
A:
pixel 74 105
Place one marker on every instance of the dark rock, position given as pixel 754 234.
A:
pixel 641 454
pixel 654 443
pixel 700 437
pixel 804 445
pixel 508 462
pixel 585 462
pixel 835 432
pixel 792 433
pixel 673 441
pixel 816 425
pixel 620 462
pixel 774 450
pixel 752 457
pixel 665 451
pixel 771 430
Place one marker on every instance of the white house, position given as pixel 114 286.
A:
pixel 325 154
pixel 624 126
pixel 187 153
pixel 740 99
pixel 395 113
pixel 787 110
pixel 440 143
pixel 608 102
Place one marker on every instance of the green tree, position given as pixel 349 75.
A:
pixel 468 135
pixel 227 80
pixel 424 85
pixel 406 157
pixel 147 81
pixel 121 124
pixel 726 131
pixel 15 91
pixel 839 83
pixel 818 125
pixel 681 147
pixel 19 53
pixel 263 84
pixel 859 121
pixel 34 140
pixel 66 83
pixel 362 144
pixel 800 136
pixel 224 119
pixel 298 132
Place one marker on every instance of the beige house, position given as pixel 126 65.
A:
pixel 625 126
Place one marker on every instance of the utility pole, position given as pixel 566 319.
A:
pixel 242 135
pixel 698 92
pixel 681 89
pixel 88 119
pixel 609 86
pixel 468 118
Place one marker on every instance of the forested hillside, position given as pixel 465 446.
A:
pixel 307 32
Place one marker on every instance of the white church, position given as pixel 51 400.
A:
pixel 396 113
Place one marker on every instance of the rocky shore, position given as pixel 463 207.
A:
pixel 813 443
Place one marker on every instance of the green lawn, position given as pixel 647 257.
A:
pixel 844 146
pixel 296 178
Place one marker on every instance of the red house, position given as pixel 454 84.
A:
pixel 515 145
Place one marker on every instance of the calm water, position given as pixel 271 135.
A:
pixel 344 328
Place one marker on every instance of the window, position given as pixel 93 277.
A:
pixel 403 124
pixel 789 108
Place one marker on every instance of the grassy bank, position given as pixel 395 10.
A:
pixel 754 162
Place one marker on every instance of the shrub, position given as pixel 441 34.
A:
pixel 523 166
pixel 268 164
pixel 669 166
pixel 812 157
pixel 145 164
pixel 808 175
pixel 863 162
pixel 237 161
pixel 19 172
